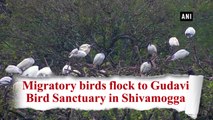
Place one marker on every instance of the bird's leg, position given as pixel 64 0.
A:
pixel 153 59
pixel 98 67
pixel 182 64
pixel 173 69
pixel 171 50
pixel 138 53
pixel 67 69
pixel 188 43
pixel 45 60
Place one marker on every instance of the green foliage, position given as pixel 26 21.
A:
pixel 52 28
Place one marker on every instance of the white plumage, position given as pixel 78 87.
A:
pixel 66 69
pixel 83 50
pixel 5 80
pixel 173 41
pixel 190 32
pixel 81 54
pixel 73 52
pixel 44 72
pixel 180 54
pixel 145 67
pixel 151 49
pixel 75 73
pixel 85 47
pixel 26 63
pixel 31 71
pixel 102 71
pixel 13 69
pixel 77 53
pixel 98 59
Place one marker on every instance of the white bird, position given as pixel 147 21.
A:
pixel 26 63
pixel 44 72
pixel 5 80
pixel 81 54
pixel 190 32
pixel 173 41
pixel 13 69
pixel 152 49
pixel 66 69
pixel 85 47
pixel 145 67
pixel 180 54
pixel 102 71
pixel 73 52
pixel 31 71
pixel 75 73
pixel 77 53
pixel 98 59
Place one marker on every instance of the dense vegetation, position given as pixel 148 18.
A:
pixel 121 29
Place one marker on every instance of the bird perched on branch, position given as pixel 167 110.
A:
pixel 66 69
pixel 190 32
pixel 83 50
pixel 145 67
pixel 31 71
pixel 98 59
pixel 75 73
pixel 85 47
pixel 173 41
pixel 73 52
pixel 44 72
pixel 180 54
pixel 12 69
pixel 77 53
pixel 26 63
pixel 5 80
pixel 152 49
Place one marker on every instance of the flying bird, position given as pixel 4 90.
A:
pixel 173 41
pixel 180 54
pixel 26 63
pixel 85 47
pixel 44 72
pixel 152 49
pixel 31 71
pixel 190 32
pixel 145 67
pixel 66 69
pixel 98 59
pixel 12 69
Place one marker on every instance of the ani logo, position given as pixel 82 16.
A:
pixel 186 16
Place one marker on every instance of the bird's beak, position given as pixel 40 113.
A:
pixel 168 58
pixel 92 44
pixel 70 55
